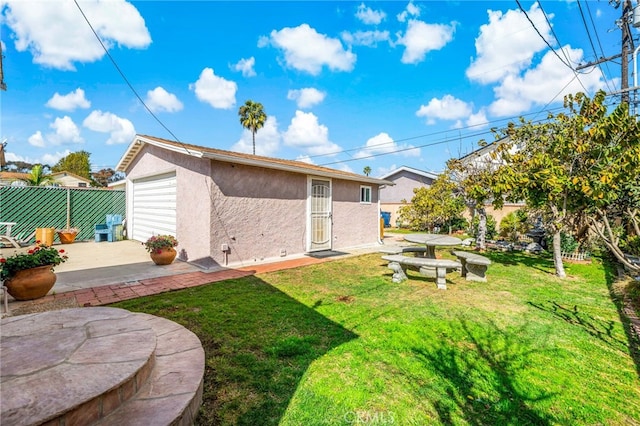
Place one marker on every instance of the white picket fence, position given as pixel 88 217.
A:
pixel 576 255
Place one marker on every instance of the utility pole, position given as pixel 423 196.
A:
pixel 2 85
pixel 627 10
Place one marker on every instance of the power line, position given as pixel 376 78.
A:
pixel 124 77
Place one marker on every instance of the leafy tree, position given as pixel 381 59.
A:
pixel 583 161
pixel 37 177
pixel 514 224
pixel 490 227
pixel 475 179
pixel 433 206
pixel 367 170
pixel 76 163
pixel 252 117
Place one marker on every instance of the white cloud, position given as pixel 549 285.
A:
pixel 370 16
pixel 69 102
pixel 307 134
pixel 447 108
pixel 56 34
pixel 307 97
pixel 49 159
pixel 365 38
pixel 307 50
pixel 410 11
pixel 54 158
pixel 246 67
pixel 382 143
pixel 383 171
pixel 305 159
pixel 421 38
pixel 214 90
pixel 65 131
pixel 507 44
pixel 120 129
pixel 478 120
pixel 159 99
pixel 37 139
pixel 267 139
pixel 537 86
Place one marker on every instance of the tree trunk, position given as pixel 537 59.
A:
pixel 482 229
pixel 557 255
pixel 254 142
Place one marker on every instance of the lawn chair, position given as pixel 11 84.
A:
pixel 16 241
pixel 110 230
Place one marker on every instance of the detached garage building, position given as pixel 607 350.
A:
pixel 228 208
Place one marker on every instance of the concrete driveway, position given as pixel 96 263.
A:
pixel 92 264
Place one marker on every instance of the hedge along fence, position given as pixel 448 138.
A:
pixel 34 207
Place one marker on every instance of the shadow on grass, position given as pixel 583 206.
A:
pixel 258 344
pixel 633 340
pixel 600 329
pixel 479 367
pixel 541 262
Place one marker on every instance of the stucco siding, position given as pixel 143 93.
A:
pixel 354 224
pixel 405 182
pixel 259 213
pixel 192 196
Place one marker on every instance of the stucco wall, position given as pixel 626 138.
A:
pixel 192 195
pixel 260 214
pixel 257 212
pixel 354 224
pixel 405 182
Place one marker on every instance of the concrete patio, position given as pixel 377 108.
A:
pixel 98 274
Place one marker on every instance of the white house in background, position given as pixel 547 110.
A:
pixel 405 180
pixel 65 179
pixel 228 208
pixel 482 158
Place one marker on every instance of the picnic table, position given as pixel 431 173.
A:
pixel 431 241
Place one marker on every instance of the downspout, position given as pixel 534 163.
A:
pixel 379 213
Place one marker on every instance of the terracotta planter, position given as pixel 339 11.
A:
pixel 67 237
pixel 163 256
pixel 31 283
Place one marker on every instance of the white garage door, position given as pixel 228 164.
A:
pixel 154 206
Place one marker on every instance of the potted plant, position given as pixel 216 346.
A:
pixel 30 275
pixel 67 235
pixel 161 248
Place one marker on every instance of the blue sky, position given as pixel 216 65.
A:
pixel 344 84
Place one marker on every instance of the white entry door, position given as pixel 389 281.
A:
pixel 320 215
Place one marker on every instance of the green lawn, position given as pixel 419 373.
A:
pixel 338 344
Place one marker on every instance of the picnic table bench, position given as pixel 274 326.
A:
pixel 420 251
pixel 399 264
pixel 474 266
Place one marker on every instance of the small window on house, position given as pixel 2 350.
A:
pixel 82 184
pixel 365 194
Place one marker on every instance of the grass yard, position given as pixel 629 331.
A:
pixel 339 344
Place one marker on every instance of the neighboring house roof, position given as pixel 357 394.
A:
pixel 484 150
pixel 239 158
pixel 426 174
pixel 59 178
pixel 58 175
pixel 11 176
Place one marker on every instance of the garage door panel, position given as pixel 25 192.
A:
pixel 154 206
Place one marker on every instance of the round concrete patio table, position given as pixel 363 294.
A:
pixel 432 241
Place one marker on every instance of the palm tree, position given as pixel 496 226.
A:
pixel 367 170
pixel 37 177
pixel 252 117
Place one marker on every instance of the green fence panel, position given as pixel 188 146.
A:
pixel 34 207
